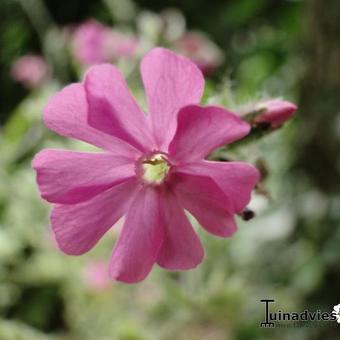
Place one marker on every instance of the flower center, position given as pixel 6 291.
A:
pixel 155 169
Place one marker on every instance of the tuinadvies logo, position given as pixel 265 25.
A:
pixel 279 317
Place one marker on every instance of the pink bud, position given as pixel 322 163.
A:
pixel 276 112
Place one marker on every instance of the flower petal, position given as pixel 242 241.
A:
pixel 113 110
pixel 171 82
pixel 206 202
pixel 138 245
pixel 236 179
pixel 200 130
pixel 66 114
pixel 181 248
pixel 69 177
pixel 79 227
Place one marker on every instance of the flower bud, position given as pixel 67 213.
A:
pixel 275 112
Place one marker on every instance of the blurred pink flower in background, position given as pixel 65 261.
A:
pixel 119 45
pixel 94 43
pixel 96 276
pixel 30 70
pixel 201 50
pixel 88 41
pixel 153 168
pixel 275 112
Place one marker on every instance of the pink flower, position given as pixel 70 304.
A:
pixel 202 51
pixel 96 276
pixel 94 43
pixel 88 42
pixel 30 70
pixel 153 167
pixel 275 112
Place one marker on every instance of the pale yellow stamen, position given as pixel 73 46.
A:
pixel 155 169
